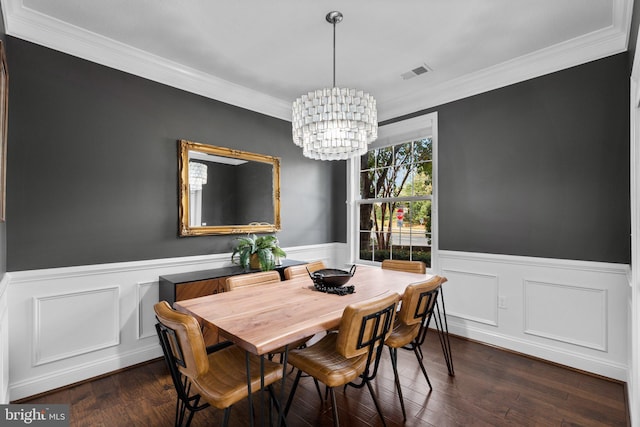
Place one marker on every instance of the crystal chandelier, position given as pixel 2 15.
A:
pixel 334 123
pixel 197 175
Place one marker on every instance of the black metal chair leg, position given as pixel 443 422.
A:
pixel 292 392
pixel 250 395
pixel 448 356
pixel 315 381
pixel 273 400
pixel 334 405
pixel 225 420
pixel 394 362
pixel 424 370
pixel 284 357
pixel 375 401
pixel 420 355
pixel 443 329
pixel 191 413
pixel 180 408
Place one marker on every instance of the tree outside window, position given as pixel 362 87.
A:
pixel 395 207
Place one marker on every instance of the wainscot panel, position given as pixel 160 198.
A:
pixel 147 296
pixel 477 301
pixel 80 322
pixel 68 325
pixel 546 314
pixel 569 312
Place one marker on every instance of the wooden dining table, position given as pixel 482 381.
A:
pixel 264 318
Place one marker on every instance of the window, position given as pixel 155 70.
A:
pixel 399 172
pixel 395 205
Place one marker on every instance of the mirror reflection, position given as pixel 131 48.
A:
pixel 197 178
pixel 226 191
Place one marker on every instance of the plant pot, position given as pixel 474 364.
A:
pixel 254 262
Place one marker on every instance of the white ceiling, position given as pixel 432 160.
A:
pixel 261 55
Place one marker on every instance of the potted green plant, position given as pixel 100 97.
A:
pixel 257 252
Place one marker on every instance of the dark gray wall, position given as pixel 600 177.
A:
pixel 539 168
pixel 92 172
pixel 338 198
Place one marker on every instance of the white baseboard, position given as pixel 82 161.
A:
pixel 572 359
pixel 60 378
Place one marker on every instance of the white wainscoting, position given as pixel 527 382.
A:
pixel 569 312
pixel 70 324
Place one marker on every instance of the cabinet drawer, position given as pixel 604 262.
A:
pixel 198 289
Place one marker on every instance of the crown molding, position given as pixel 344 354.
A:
pixel 581 50
pixel 29 25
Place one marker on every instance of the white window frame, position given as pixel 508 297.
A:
pixel 395 133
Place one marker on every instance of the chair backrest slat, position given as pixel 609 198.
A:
pixel 251 279
pixel 368 336
pixel 303 270
pixel 405 265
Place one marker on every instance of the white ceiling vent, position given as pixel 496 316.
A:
pixel 422 69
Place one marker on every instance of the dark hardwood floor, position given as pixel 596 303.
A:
pixel 491 387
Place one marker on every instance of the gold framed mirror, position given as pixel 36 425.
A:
pixel 226 191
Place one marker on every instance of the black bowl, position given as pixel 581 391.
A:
pixel 332 277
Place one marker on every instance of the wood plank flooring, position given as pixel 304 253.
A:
pixel 491 387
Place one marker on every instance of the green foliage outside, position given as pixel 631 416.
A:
pixel 403 171
pixel 398 253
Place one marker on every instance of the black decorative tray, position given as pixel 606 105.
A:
pixel 331 277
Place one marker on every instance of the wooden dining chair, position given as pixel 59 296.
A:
pixel 352 354
pixel 251 279
pixel 441 323
pixel 218 378
pixel 301 270
pixel 418 303
pixel 404 265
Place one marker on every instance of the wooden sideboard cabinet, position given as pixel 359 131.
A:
pixel 193 284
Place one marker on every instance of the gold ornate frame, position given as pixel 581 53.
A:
pixel 185 229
